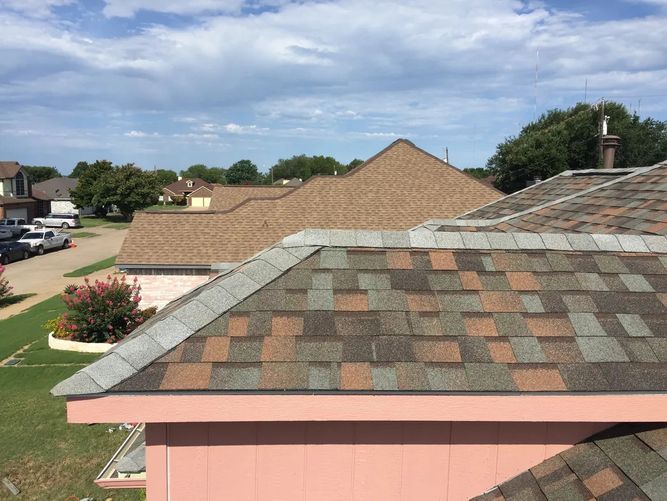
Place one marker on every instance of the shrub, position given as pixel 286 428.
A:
pixel 55 325
pixel 101 312
pixel 5 288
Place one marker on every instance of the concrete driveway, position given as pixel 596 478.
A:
pixel 43 275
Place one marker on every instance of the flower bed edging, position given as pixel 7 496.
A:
pixel 67 345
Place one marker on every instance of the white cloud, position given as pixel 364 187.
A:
pixel 140 134
pixel 233 128
pixel 340 69
pixel 128 8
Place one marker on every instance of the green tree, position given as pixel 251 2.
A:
pixel 242 172
pixel 569 139
pixel 478 172
pixel 208 174
pixel 89 188
pixel 79 169
pixel 39 173
pixel 165 177
pixel 303 167
pixel 129 188
pixel 354 164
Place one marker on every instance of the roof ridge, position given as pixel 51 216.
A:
pixel 426 238
pixel 492 222
pixel 354 171
pixel 182 318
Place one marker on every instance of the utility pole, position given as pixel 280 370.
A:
pixel 586 91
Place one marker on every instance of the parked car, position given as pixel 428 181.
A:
pixel 5 234
pixel 13 251
pixel 59 221
pixel 16 225
pixel 40 241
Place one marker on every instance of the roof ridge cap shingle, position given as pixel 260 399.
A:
pixel 181 319
pixel 426 238
pixel 492 222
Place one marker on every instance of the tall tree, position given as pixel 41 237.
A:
pixel 303 167
pixel 569 139
pixel 39 173
pixel 242 172
pixel 89 188
pixel 165 177
pixel 79 169
pixel 129 188
pixel 209 174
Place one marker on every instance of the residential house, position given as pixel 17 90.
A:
pixel 423 364
pixel 200 198
pixel 178 191
pixel 58 190
pixel 396 189
pixel 17 197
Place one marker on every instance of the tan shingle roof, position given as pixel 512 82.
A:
pixel 178 187
pixel 397 189
pixel 228 197
pixel 8 169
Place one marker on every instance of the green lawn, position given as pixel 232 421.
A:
pixel 115 221
pixel 20 330
pixel 92 268
pixel 84 234
pixel 42 454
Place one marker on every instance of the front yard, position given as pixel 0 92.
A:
pixel 42 454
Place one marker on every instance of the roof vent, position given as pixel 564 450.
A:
pixel 609 146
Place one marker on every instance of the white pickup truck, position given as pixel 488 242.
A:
pixel 17 226
pixel 42 240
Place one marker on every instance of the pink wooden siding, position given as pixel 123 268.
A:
pixel 324 461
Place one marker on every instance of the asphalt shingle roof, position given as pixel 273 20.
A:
pixel 400 187
pixel 631 204
pixel 562 185
pixel 410 311
pixel 627 461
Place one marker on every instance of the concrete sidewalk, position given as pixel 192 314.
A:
pixel 43 275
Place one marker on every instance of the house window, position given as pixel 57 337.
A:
pixel 189 183
pixel 20 184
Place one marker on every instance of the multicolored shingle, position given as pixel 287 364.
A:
pixel 382 320
pixel 629 201
pixel 626 461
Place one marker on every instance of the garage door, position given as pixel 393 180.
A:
pixel 200 201
pixel 22 213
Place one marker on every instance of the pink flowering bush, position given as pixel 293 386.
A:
pixel 5 288
pixel 101 312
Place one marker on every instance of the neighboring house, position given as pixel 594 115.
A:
pixel 396 189
pixel 58 190
pixel 354 364
pixel 200 198
pixel 179 190
pixel 16 193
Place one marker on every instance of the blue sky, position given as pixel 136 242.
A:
pixel 169 83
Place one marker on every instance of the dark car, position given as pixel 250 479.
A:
pixel 13 251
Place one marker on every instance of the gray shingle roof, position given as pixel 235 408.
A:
pixel 476 299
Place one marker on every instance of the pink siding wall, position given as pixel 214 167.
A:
pixel 158 290
pixel 324 461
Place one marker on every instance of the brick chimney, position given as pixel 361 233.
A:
pixel 609 146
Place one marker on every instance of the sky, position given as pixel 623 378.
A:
pixel 170 83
